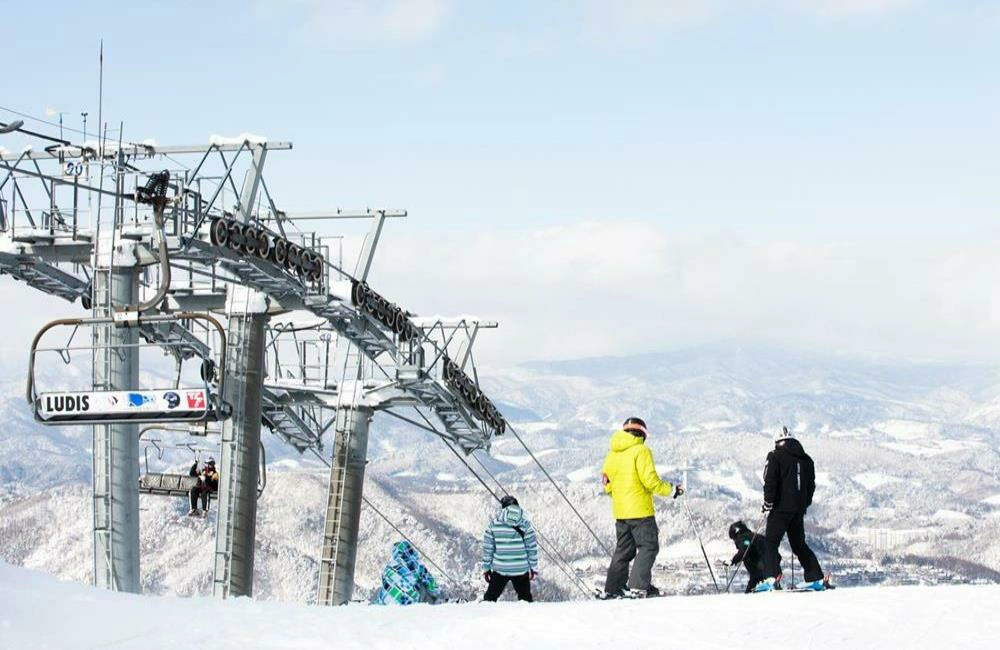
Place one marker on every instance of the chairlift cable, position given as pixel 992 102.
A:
pixel 553 553
pixel 600 542
pixel 541 536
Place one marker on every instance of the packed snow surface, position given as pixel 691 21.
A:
pixel 37 612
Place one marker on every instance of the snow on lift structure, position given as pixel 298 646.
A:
pixel 179 403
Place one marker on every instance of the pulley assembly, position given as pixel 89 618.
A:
pixel 378 307
pixel 258 242
pixel 482 407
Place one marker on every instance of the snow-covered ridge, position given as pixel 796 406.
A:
pixel 947 617
pixel 881 501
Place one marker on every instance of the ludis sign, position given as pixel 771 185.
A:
pixel 166 404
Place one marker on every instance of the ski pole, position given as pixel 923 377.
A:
pixel 698 535
pixel 763 519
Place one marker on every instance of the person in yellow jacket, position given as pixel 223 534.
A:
pixel 630 478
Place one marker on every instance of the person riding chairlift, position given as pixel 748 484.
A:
pixel 208 483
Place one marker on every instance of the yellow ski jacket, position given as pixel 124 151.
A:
pixel 630 477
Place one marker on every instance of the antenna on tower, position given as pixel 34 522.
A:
pixel 100 101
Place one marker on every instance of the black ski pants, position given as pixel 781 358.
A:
pixel 498 582
pixel 753 581
pixel 638 539
pixel 203 492
pixel 778 524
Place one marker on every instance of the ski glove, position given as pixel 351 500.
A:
pixel 678 490
pixel 766 508
pixel 486 576
pixel 532 574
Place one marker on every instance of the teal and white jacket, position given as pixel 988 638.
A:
pixel 509 545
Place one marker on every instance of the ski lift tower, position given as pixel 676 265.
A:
pixel 115 284
pixel 139 271
pixel 167 249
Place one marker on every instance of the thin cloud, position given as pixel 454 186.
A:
pixel 351 23
pixel 614 287
pixel 650 15
pixel 849 8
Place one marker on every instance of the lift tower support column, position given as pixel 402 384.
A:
pixel 116 446
pixel 239 469
pixel 343 510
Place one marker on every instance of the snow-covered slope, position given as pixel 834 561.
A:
pixel 39 613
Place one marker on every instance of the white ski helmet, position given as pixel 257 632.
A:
pixel 785 434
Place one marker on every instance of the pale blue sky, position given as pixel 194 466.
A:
pixel 861 134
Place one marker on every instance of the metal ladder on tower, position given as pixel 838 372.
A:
pixel 339 468
pixel 229 473
pixel 103 467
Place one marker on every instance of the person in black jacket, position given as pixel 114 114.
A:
pixel 208 483
pixel 789 483
pixel 749 551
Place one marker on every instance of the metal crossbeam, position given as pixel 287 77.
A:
pixel 78 151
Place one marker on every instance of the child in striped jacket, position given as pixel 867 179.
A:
pixel 510 552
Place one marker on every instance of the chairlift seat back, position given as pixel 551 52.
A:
pixel 172 485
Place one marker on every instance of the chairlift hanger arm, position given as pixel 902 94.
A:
pixel 30 394
pixel 11 127
pixel 18 125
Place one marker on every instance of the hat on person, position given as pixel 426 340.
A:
pixel 635 426
pixel 784 435
pixel 508 500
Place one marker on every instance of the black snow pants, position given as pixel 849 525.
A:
pixel 196 491
pixel 638 539
pixel 522 585
pixel 778 524
pixel 755 578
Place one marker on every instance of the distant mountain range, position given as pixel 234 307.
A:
pixel 907 458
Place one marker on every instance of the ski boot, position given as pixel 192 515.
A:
pixel 764 585
pixel 815 585
pixel 607 595
pixel 194 512
pixel 652 592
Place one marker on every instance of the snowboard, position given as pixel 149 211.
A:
pixel 804 586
